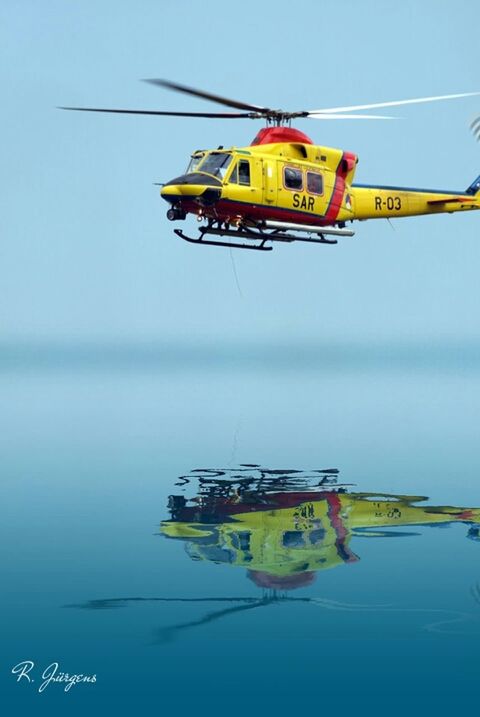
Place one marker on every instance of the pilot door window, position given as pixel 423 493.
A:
pixel 293 178
pixel 241 173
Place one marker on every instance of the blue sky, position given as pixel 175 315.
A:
pixel 86 251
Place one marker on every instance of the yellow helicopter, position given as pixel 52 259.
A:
pixel 285 188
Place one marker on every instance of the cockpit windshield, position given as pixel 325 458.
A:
pixel 216 163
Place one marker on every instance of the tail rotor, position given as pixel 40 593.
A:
pixel 475 127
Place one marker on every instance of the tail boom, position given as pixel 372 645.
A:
pixel 382 202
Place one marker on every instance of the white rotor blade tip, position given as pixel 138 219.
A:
pixel 333 116
pixel 395 103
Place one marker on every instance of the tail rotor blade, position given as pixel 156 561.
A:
pixel 475 127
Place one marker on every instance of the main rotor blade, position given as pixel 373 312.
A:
pixel 207 95
pixel 396 103
pixel 332 116
pixel 213 115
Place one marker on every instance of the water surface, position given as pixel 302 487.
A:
pixel 243 538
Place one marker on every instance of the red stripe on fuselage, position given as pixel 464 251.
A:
pixel 346 163
pixel 227 209
pixel 336 521
pixel 262 212
pixel 338 191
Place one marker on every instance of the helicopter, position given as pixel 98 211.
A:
pixel 283 187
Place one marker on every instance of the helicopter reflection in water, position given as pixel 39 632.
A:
pixel 285 525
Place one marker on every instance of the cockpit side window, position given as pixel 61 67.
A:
pixel 244 172
pixel 241 173
pixel 194 162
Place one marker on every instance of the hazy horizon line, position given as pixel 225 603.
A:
pixel 139 354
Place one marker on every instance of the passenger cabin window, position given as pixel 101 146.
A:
pixel 314 183
pixel 293 178
pixel 241 173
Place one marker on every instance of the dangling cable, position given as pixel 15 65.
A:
pixel 235 273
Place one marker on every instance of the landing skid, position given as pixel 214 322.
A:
pixel 258 236
pixel 233 245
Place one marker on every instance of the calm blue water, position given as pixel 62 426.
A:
pixel 339 570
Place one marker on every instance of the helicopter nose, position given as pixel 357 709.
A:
pixel 195 186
